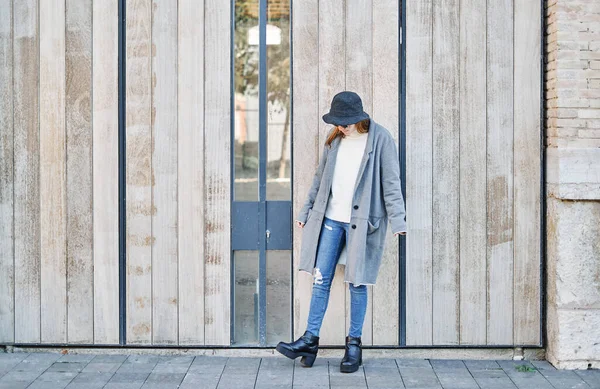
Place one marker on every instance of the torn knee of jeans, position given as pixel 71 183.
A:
pixel 317 276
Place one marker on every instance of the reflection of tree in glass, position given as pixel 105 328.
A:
pixel 278 60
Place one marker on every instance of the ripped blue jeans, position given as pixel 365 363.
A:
pixel 331 241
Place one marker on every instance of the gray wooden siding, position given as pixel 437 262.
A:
pixel 472 137
pixel 473 172
pixel 342 45
pixel 178 172
pixel 59 214
pixel 472 161
pixel 58 204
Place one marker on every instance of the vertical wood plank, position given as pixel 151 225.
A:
pixel 306 150
pixel 473 273
pixel 359 78
pixel 164 172
pixel 7 282
pixel 139 171
pixel 386 96
pixel 500 171
pixel 106 171
pixel 527 205
pixel 190 123
pixel 78 91
pixel 53 211
pixel 27 170
pixel 331 81
pixel 217 163
pixel 419 147
pixel 446 164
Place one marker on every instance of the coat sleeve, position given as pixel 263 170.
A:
pixel 392 190
pixel 314 188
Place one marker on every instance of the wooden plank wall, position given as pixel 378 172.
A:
pixel 472 161
pixel 472 128
pixel 340 45
pixel 178 172
pixel 62 190
pixel 59 109
pixel 473 172
pixel 7 281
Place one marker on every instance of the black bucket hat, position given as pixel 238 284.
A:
pixel 346 108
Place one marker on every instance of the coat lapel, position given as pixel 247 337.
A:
pixel 366 154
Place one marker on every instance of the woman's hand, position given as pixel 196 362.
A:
pixel 299 224
pixel 400 233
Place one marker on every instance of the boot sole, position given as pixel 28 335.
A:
pixel 350 369
pixel 307 359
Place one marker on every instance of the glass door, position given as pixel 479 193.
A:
pixel 262 192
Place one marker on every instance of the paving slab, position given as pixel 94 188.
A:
pixel 9 360
pixel 101 367
pixel 53 379
pixel 316 376
pixel 17 379
pixel 560 379
pixel 418 373
pixel 524 375
pixel 239 373
pixel 129 378
pixel 591 377
pixel 453 374
pixel 109 358
pixel 383 374
pixel 275 372
pixel 83 358
pixel 489 375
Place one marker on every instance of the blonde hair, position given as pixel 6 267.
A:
pixel 362 127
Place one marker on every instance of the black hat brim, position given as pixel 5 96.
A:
pixel 344 120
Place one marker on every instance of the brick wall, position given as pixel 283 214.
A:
pixel 573 73
pixel 573 183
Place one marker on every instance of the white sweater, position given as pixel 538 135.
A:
pixel 349 157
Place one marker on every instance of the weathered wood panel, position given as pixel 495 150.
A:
pixel 306 141
pixel 446 192
pixel 178 167
pixel 527 207
pixel 359 78
pixel 190 158
pixel 78 57
pixel 7 285
pixel 26 171
pixel 217 177
pixel 419 168
pixel 473 269
pixel 386 98
pixel 53 204
pixel 139 180
pixel 332 79
pixel 500 172
pixel 105 172
pixel 164 172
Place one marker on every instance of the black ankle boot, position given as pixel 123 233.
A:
pixel 306 347
pixel 353 355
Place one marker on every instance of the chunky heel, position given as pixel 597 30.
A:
pixel 307 361
pixel 307 347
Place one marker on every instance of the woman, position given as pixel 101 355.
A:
pixel 346 212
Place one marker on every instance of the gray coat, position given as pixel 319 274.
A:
pixel 377 198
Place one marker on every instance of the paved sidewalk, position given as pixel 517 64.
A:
pixel 53 370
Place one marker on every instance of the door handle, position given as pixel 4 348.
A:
pixel 268 235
